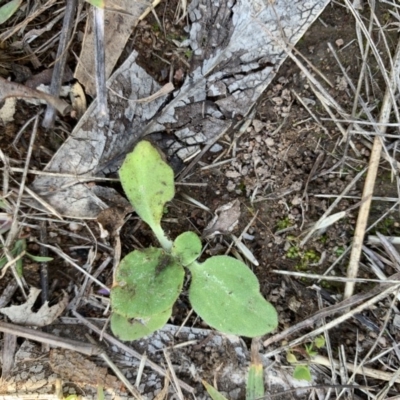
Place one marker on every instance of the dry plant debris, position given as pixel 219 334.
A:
pixel 280 154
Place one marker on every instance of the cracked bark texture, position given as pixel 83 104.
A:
pixel 46 375
pixel 237 46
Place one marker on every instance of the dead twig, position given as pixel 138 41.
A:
pixel 61 59
pixel 13 89
pixel 117 372
pixel 329 311
pixel 128 350
pixel 362 219
pixel 43 337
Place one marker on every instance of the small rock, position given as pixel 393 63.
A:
pixel 216 148
pixel 277 100
pixel 230 187
pixel 339 42
pixel 232 174
pixel 269 142
pixel 74 227
pixel 258 125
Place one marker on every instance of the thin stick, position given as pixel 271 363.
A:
pixel 61 60
pixel 173 375
pixel 100 58
pixel 389 290
pixel 128 350
pixel 373 373
pixel 43 337
pixel 362 219
pixel 135 392
pixel 328 311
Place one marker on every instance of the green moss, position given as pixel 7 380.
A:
pixel 283 223
pixel 155 27
pixel 305 258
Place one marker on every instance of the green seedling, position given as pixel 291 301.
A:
pixel 254 384
pixel 305 257
pixel 19 251
pixel 223 291
pixel 283 223
pixel 339 251
pixel 8 10
pixel 302 371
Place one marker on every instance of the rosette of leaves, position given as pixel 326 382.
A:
pixel 223 291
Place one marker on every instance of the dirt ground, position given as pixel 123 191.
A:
pixel 286 170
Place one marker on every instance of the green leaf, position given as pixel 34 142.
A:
pixel 3 262
pixel 100 393
pixel 97 3
pixel 148 182
pixel 147 282
pixel 133 329
pixel 310 350
pixel 319 341
pixel 19 247
pixel 291 358
pixel 226 294
pixel 255 382
pixel 39 258
pixel 8 10
pixel 19 267
pixel 186 247
pixel 214 394
pixel 302 372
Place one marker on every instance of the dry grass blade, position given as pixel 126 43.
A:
pixel 129 350
pixel 39 10
pixel 370 372
pixel 173 375
pixel 336 321
pixel 118 372
pixel 59 66
pixel 12 89
pixel 333 278
pixel 390 250
pixel 43 337
pixel 362 219
pixel 74 264
pixel 332 206
pixel 329 311
pixel 100 60
pixel 164 391
pixel 12 235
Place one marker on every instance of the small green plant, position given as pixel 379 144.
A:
pixel 7 10
pixel 188 54
pixel 254 384
pixel 306 257
pixel 302 371
pixel 339 251
pixel 223 291
pixel 283 223
pixel 19 249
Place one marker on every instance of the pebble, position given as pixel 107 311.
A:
pixel 230 187
pixel 258 125
pixel 269 142
pixel 216 148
